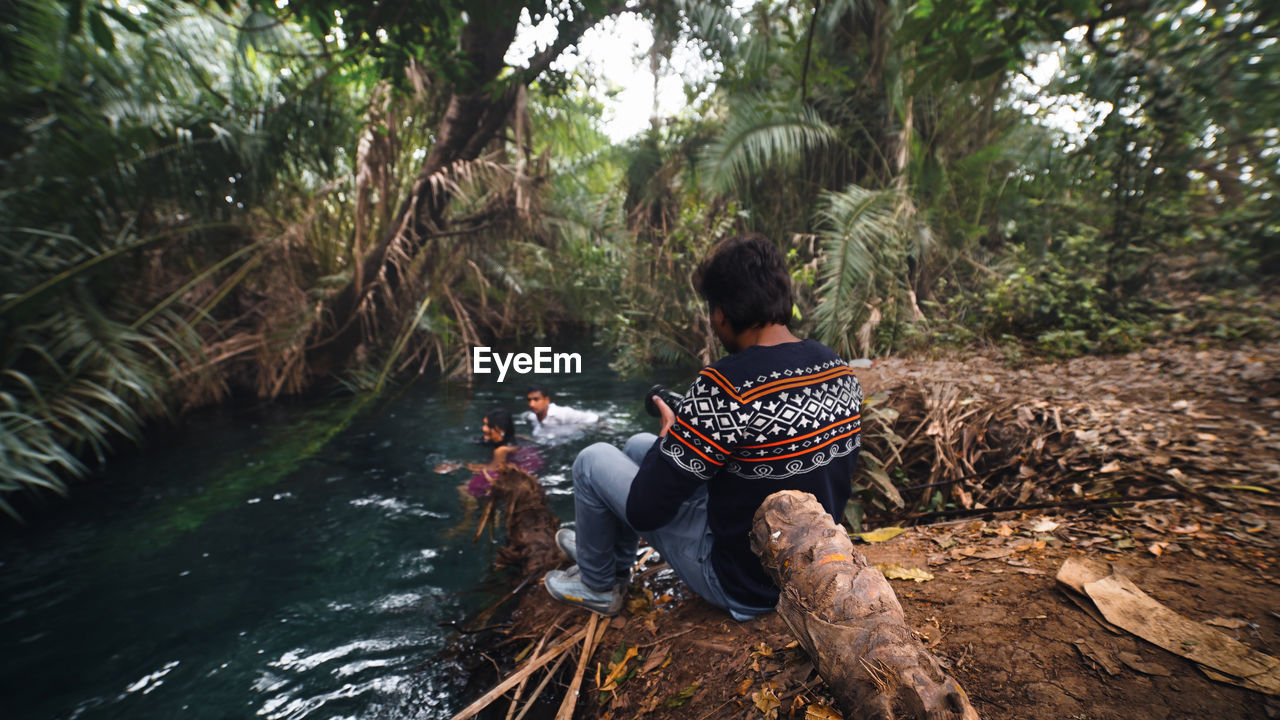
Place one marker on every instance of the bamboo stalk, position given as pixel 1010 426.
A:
pixel 501 688
pixel 515 697
pixel 537 692
pixel 588 645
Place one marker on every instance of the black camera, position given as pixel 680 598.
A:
pixel 671 398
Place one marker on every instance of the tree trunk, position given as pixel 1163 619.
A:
pixel 848 618
pixel 479 106
pixel 470 123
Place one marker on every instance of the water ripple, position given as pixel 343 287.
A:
pixel 284 707
pixel 397 507
pixel 151 681
pixel 299 661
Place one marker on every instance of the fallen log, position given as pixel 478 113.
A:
pixel 848 618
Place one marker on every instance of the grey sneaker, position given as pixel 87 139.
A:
pixel 567 587
pixel 567 540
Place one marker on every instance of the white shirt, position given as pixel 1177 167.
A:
pixel 560 419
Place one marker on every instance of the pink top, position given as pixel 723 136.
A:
pixel 524 457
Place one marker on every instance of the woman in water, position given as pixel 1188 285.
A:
pixel 499 431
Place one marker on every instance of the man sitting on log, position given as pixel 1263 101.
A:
pixel 777 413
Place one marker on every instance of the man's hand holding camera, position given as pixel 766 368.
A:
pixel 658 402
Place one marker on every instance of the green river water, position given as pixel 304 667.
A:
pixel 281 561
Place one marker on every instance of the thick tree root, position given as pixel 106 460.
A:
pixel 530 526
pixel 848 618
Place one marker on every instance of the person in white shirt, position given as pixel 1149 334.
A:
pixel 549 419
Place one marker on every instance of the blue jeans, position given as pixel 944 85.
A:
pixel 602 476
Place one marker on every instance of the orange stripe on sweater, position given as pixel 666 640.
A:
pixel 802 437
pixel 724 384
pixel 704 437
pixel 704 455
pixel 779 385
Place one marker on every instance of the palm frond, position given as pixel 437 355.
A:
pixel 861 230
pixel 759 136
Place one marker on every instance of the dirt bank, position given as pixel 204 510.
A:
pixel 990 609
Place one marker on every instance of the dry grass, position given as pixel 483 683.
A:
pixel 1164 420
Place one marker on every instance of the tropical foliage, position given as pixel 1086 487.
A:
pixel 205 198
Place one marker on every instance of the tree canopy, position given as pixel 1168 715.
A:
pixel 215 196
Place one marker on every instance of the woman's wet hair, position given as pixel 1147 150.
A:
pixel 500 418
pixel 746 277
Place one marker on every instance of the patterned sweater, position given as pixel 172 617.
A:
pixel 768 418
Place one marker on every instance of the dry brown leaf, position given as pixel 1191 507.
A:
pixel 822 712
pixel 1124 604
pixel 988 554
pixel 766 702
pixel 1143 666
pixel 894 571
pixel 881 534
pixel 656 659
pixel 650 703
pixel 1044 525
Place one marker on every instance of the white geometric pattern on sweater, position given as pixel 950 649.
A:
pixel 718 427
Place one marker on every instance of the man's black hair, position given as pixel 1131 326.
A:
pixel 498 417
pixel 538 388
pixel 746 277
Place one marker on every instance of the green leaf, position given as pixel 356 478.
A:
pixel 885 484
pixel 681 697
pixel 125 19
pixel 75 17
pixel 988 67
pixel 101 33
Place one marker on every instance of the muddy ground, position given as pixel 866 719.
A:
pixel 991 611
pixel 992 614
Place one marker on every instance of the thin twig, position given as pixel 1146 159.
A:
pixel 484 519
pixel 501 688
pixel 672 636
pixel 643 559
pixel 652 570
pixel 718 708
pixel 1042 506
pixel 461 626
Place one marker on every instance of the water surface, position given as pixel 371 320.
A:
pixel 280 561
